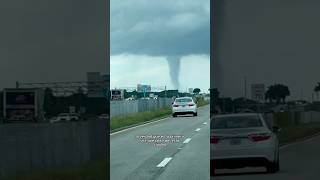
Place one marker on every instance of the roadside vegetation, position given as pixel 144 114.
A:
pixel 293 133
pixel 138 118
pixel 87 171
pixel 122 122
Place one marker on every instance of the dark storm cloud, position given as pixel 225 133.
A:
pixel 268 41
pixel 45 40
pixel 160 28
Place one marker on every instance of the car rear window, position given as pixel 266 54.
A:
pixel 184 100
pixel 236 122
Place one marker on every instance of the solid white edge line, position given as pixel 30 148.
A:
pixel 310 138
pixel 164 162
pixel 187 141
pixel 198 129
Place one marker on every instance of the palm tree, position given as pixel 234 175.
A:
pixel 317 89
pixel 277 92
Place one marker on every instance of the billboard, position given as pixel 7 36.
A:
pixel 22 104
pixel 117 94
pixel 143 88
pixel 20 98
pixel 20 114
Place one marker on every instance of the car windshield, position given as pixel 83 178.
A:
pixel 183 100
pixel 236 122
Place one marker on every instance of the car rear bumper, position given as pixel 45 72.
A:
pixel 266 152
pixel 231 163
pixel 184 110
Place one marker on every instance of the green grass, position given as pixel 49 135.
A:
pixel 87 171
pixel 292 133
pixel 202 103
pixel 142 117
pixel 136 118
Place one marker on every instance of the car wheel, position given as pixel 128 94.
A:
pixel 195 114
pixel 273 167
pixel 212 171
pixel 174 115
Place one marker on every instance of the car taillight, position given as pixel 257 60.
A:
pixel 191 104
pixel 214 139
pixel 175 105
pixel 259 137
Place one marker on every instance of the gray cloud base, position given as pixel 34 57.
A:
pixel 45 40
pixel 160 28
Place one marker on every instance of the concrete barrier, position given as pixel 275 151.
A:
pixel 28 147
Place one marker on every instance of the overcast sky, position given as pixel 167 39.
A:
pixel 268 41
pixel 45 40
pixel 145 33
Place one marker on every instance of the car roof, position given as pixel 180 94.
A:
pixel 236 115
pixel 186 97
pixel 63 114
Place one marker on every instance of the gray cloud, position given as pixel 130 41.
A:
pixel 270 42
pixel 160 28
pixel 44 40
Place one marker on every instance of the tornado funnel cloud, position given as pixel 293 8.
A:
pixel 174 69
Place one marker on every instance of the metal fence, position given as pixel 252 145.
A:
pixel 122 108
pixel 30 147
pixel 289 118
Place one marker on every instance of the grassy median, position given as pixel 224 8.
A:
pixel 121 122
pixel 87 171
pixel 295 132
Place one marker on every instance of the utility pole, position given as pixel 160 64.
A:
pixel 245 87
pixel 165 91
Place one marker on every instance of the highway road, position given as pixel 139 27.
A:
pixel 297 161
pixel 187 159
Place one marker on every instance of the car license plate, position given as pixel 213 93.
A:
pixel 183 106
pixel 235 141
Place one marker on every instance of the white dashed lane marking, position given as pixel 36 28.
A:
pixel 198 129
pixel 164 162
pixel 205 123
pixel 187 141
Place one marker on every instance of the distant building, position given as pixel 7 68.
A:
pixel 143 88
pixel 97 83
pixel 257 92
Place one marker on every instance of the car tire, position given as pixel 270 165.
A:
pixel 174 115
pixel 195 114
pixel 273 167
pixel 212 171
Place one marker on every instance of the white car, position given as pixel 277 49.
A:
pixel 65 117
pixel 104 116
pixel 184 105
pixel 243 140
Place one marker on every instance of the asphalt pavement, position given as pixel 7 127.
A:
pixel 187 158
pixel 297 161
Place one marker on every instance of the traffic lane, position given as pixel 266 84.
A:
pixel 130 159
pixel 192 162
pixel 297 161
